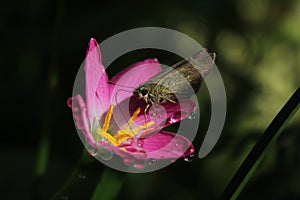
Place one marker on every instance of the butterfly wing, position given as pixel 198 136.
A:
pixel 177 81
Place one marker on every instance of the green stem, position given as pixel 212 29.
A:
pixel 41 164
pixel 108 186
pixel 85 160
pixel 52 71
pixel 256 155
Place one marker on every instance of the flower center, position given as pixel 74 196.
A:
pixel 127 132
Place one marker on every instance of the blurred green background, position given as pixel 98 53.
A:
pixel 43 44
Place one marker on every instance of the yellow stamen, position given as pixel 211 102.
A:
pixel 109 137
pixel 132 118
pixel 123 134
pixel 123 149
pixel 108 117
pixel 137 129
pixel 122 137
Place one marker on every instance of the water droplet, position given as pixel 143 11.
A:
pixel 160 116
pixel 174 146
pixel 172 120
pixel 192 115
pixel 152 162
pixel 173 160
pixel 139 165
pixel 105 154
pixel 153 114
pixel 129 141
pixel 140 143
pixel 173 84
pixel 189 158
pixel 92 151
pixel 81 176
pixel 128 161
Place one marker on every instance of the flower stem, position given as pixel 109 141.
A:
pixel 52 71
pixel 85 160
pixel 257 153
pixel 108 186
pixel 41 164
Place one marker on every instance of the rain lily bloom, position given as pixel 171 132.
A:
pixel 111 118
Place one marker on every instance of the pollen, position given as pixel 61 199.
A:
pixel 127 132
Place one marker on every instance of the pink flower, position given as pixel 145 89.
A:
pixel 110 117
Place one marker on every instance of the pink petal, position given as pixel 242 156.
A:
pixel 162 146
pixel 179 110
pixel 97 88
pixel 138 154
pixel 132 77
pixel 165 145
pixel 164 114
pixel 80 117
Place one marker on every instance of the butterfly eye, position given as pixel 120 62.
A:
pixel 144 92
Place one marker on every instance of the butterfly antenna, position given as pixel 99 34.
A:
pixel 122 113
pixel 109 82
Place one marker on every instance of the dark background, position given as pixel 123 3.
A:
pixel 43 44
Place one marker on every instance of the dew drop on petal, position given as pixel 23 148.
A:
pixel 140 143
pixel 172 120
pixel 189 158
pixel 129 141
pixel 75 109
pixel 177 147
pixel 105 154
pixel 128 161
pixel 139 165
pixel 103 140
pixel 151 162
pixel 192 115
pixel 174 147
pixel 92 151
